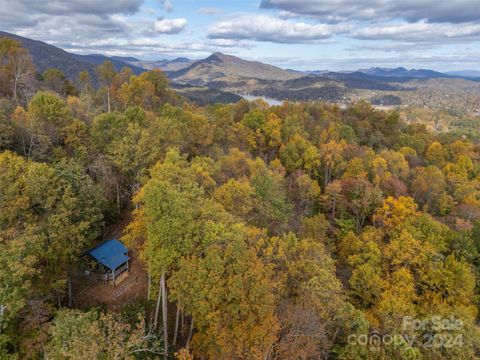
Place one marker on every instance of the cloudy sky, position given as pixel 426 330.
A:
pixel 299 34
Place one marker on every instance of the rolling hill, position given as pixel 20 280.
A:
pixel 401 72
pixel 221 67
pixel 164 65
pixel 46 56
pixel 474 74
pixel 222 78
pixel 97 59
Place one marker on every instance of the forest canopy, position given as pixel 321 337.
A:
pixel 267 232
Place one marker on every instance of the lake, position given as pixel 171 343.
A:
pixel 270 101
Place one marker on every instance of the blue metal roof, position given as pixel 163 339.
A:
pixel 111 253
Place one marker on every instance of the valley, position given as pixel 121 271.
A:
pixel 223 78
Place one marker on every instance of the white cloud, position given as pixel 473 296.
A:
pixel 60 19
pixel 268 28
pixel 439 62
pixel 145 48
pixel 170 26
pixel 92 26
pixel 66 7
pixel 229 43
pixel 419 32
pixel 454 11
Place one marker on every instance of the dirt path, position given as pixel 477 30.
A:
pixel 89 291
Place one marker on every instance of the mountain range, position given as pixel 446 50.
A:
pixel 216 67
pixel 221 67
pixel 473 74
pixel 221 77
pixel 404 73
pixel 46 56
pixel 165 65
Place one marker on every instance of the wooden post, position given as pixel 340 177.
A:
pixel 128 267
pixel 113 275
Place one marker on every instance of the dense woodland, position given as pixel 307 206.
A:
pixel 267 232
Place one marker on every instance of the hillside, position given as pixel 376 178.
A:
pixel 46 56
pixel 226 209
pixel 307 216
pixel 219 77
pixel 164 65
pixel 404 73
pixel 203 95
pixel 466 73
pixel 97 59
pixel 221 67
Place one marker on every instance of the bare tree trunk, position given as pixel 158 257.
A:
pixel 182 323
pixel 157 307
pixel 30 147
pixel 15 90
pixel 190 334
pixel 149 286
pixel 177 318
pixel 23 145
pixel 267 356
pixel 15 81
pixel 118 198
pixel 69 288
pixel 2 309
pixel 108 98
pixel 164 314
pixel 334 206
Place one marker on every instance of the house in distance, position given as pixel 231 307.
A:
pixel 112 257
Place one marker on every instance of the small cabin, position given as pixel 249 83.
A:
pixel 112 256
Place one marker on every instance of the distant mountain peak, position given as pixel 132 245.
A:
pixel 125 58
pixel 222 67
pixel 180 60
pixel 402 72
pixel 466 73
pixel 220 57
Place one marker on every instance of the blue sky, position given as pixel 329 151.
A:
pixel 298 34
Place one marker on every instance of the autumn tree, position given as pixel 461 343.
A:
pixel 172 212
pixel 106 73
pixel 230 296
pixel 16 66
pixel 85 81
pixel 331 158
pixel 237 197
pixel 272 206
pixel 428 186
pixel 31 216
pixel 90 335
pixel 54 80
pixel 47 115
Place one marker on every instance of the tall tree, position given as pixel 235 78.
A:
pixel 229 294
pixel 16 63
pixel 106 73
pixel 171 215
